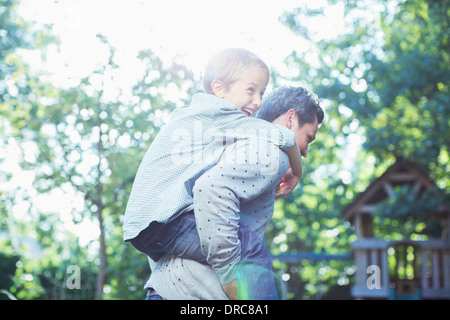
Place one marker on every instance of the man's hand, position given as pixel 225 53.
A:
pixel 287 184
pixel 231 290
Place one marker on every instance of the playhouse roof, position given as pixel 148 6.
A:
pixel 402 172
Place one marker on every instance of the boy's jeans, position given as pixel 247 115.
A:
pixel 180 238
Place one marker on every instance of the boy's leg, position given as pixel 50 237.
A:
pixel 178 237
pixel 153 295
pixel 254 271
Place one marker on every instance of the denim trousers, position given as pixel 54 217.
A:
pixel 152 295
pixel 180 238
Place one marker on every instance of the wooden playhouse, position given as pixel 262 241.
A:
pixel 400 268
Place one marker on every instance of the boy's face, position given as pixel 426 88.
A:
pixel 246 92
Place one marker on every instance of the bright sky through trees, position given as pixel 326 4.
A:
pixel 78 108
pixel 192 30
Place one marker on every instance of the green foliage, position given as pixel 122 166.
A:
pixel 88 141
pixel 383 82
pixel 406 215
pixel 389 75
pixel 8 268
pixel 92 141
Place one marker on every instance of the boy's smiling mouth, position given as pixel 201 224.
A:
pixel 249 111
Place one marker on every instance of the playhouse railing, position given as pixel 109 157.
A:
pixel 401 269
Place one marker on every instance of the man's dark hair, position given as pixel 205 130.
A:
pixel 304 102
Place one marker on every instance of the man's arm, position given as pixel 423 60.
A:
pixel 293 175
pixel 218 195
pixel 279 135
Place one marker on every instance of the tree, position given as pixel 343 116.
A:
pixel 390 74
pixel 384 82
pixel 86 141
pixel 91 140
pixel 17 87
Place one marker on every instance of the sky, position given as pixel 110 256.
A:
pixel 193 29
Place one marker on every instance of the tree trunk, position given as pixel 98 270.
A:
pixel 101 268
pixel 99 191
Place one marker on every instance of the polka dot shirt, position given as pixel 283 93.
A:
pixel 239 190
pixel 189 145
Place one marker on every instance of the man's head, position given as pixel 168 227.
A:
pixel 296 108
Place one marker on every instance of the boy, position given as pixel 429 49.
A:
pixel 159 218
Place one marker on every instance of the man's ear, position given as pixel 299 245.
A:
pixel 218 87
pixel 289 118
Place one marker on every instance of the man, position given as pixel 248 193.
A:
pixel 244 192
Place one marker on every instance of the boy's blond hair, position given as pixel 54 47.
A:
pixel 227 65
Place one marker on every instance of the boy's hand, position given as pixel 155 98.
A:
pixel 231 290
pixel 287 184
